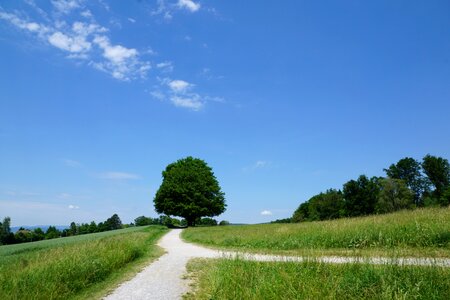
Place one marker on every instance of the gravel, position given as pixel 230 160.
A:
pixel 163 279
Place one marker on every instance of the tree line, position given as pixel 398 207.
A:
pixel 25 235
pixel 168 221
pixel 408 184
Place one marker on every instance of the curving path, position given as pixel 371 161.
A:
pixel 163 279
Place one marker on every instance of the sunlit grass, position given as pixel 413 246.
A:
pixel 238 279
pixel 67 267
pixel 422 232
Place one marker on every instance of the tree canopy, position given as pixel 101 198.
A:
pixel 438 171
pixel 189 190
pixel 409 170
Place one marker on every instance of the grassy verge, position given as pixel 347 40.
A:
pixel 422 232
pixel 237 279
pixel 78 267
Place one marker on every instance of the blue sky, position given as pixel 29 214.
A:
pixel 282 99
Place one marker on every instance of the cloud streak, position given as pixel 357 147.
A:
pixel 119 176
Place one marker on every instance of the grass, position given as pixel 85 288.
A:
pixel 421 232
pixel 77 267
pixel 238 279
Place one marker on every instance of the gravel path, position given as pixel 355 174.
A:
pixel 163 279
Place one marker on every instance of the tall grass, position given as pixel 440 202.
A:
pixel 237 279
pixel 421 230
pixel 39 245
pixel 63 270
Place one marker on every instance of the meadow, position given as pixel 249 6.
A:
pixel 420 232
pixel 238 279
pixel 85 266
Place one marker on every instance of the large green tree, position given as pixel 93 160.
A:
pixel 189 190
pixel 409 170
pixel 360 196
pixel 324 206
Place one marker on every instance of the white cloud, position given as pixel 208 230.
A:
pixel 193 102
pixel 18 22
pixel 179 86
pixel 158 95
pixel 165 66
pixel 166 9
pixel 64 42
pixel 118 176
pixel 189 5
pixel 87 14
pixel 66 6
pixel 71 206
pixel 266 213
pixel 115 53
pixel 132 20
pixel 162 9
pixel 121 62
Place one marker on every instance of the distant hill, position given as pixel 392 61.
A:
pixel 43 227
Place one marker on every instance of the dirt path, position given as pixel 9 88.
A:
pixel 163 279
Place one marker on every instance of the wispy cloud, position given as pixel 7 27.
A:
pixel 259 164
pixel 71 163
pixel 165 66
pixel 71 206
pixel 25 25
pixel 167 9
pixel 179 86
pixel 266 213
pixel 89 43
pixel 66 6
pixel 118 176
pixel 121 62
pixel 193 102
pixel 188 5
pixel 86 41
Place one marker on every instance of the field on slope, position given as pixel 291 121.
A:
pixel 243 280
pixel 83 266
pixel 421 232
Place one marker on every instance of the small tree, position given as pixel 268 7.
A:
pixel 394 195
pixel 113 223
pixel 189 190
pixel 142 221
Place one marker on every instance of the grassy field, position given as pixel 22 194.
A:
pixel 422 232
pixel 237 279
pixel 75 267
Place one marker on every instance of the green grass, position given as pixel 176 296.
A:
pixel 237 279
pixel 422 232
pixel 77 267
